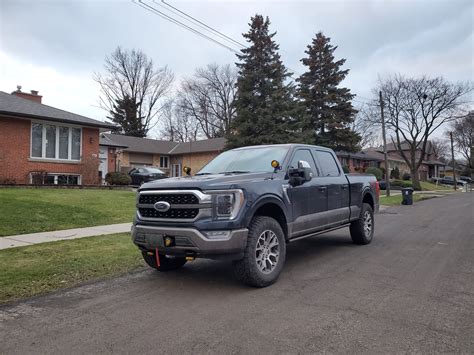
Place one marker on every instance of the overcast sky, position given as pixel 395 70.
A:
pixel 55 46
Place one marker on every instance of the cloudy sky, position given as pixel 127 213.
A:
pixel 55 46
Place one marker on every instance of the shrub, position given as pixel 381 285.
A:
pixel 406 176
pixel 395 173
pixel 345 169
pixel 118 179
pixel 375 171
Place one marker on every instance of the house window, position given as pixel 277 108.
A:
pixel 55 142
pixel 164 162
pixel 61 179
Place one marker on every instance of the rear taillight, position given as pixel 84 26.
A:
pixel 377 188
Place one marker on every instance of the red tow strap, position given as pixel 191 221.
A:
pixel 157 256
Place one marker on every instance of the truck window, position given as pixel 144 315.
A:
pixel 303 154
pixel 327 163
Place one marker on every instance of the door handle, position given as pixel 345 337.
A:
pixel 322 188
pixel 344 187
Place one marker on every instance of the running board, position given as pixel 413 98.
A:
pixel 319 232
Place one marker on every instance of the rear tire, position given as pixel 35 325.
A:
pixel 167 263
pixel 362 230
pixel 264 255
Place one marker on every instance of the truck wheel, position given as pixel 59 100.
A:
pixel 264 255
pixel 362 230
pixel 166 263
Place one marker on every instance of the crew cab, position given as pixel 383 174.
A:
pixel 247 203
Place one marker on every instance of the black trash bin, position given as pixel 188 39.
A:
pixel 407 196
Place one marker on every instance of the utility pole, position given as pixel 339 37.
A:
pixel 453 161
pixel 387 172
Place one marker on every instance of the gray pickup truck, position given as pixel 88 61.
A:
pixel 247 204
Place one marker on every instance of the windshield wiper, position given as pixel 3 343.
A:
pixel 203 174
pixel 235 172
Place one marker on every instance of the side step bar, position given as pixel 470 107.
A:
pixel 319 232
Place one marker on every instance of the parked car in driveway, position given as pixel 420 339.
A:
pixel 466 179
pixel 247 204
pixel 449 180
pixel 144 174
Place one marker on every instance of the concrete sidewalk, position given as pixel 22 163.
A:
pixel 13 241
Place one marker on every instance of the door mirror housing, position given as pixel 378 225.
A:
pixel 298 176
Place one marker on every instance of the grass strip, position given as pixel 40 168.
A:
pixel 41 268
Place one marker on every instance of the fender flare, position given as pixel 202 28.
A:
pixel 262 200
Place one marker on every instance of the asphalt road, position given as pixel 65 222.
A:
pixel 411 290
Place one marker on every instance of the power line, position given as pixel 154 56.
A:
pixel 179 23
pixel 202 24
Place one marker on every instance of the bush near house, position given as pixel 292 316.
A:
pixel 406 176
pixel 118 179
pixel 345 169
pixel 375 171
pixel 395 173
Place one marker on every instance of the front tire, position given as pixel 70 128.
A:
pixel 264 255
pixel 166 263
pixel 362 230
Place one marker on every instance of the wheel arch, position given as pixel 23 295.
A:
pixel 270 206
pixel 368 198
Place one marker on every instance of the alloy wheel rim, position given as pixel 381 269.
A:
pixel 267 251
pixel 368 224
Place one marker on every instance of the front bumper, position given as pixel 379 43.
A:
pixel 190 241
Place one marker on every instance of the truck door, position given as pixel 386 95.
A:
pixel 309 200
pixel 337 187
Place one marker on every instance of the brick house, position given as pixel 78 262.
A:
pixel 429 168
pixel 358 162
pixel 43 144
pixel 123 153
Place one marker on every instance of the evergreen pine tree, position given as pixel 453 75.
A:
pixel 265 106
pixel 328 111
pixel 125 115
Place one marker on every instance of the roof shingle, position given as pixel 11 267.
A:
pixel 12 105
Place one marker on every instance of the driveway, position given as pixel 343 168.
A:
pixel 412 290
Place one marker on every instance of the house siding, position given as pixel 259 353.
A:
pixel 16 164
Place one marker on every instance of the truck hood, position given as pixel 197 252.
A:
pixel 206 182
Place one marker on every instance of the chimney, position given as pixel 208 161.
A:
pixel 33 96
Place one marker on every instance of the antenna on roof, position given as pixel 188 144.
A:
pixel 18 88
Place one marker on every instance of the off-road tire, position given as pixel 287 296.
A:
pixel 246 269
pixel 166 263
pixel 359 232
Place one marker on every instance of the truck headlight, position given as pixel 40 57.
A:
pixel 226 204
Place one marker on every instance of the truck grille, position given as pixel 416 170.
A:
pixel 182 213
pixel 172 199
pixel 185 206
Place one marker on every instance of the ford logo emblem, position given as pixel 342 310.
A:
pixel 162 206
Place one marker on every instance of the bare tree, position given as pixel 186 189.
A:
pixel 440 148
pixel 178 127
pixel 367 125
pixel 208 98
pixel 131 80
pixel 417 107
pixel 463 137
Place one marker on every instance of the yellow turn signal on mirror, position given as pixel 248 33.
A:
pixel 275 164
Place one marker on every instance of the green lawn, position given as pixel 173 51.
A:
pixel 396 200
pixel 41 268
pixel 40 210
pixel 428 186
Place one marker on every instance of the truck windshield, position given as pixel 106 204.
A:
pixel 249 160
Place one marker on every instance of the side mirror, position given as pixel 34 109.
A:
pixel 298 176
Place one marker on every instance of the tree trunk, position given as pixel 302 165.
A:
pixel 415 179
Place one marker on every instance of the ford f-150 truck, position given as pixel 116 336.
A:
pixel 247 204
